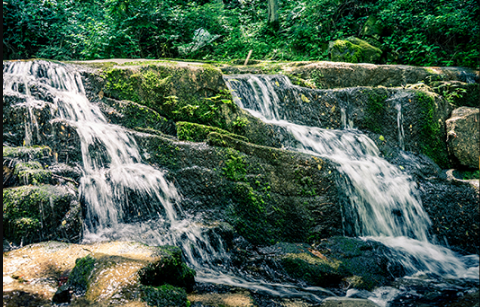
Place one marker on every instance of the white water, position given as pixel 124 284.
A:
pixel 385 203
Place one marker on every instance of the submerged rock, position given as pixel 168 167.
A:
pixel 463 136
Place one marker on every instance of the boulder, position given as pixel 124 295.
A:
pixel 101 274
pixel 463 136
pixel 353 50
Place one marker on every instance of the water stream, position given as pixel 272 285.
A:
pixel 384 202
pixel 127 199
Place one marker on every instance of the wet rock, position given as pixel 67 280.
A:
pixel 347 302
pixel 32 173
pixel 337 262
pixel 133 115
pixel 353 50
pixel 98 274
pixel 453 209
pixel 37 213
pixel 463 136
pixel 265 193
pixel 165 295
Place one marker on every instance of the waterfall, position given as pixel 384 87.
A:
pixel 113 171
pixel 125 199
pixel 384 201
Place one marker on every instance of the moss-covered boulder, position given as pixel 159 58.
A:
pixel 175 91
pixel 42 212
pixel 463 136
pixel 341 260
pixel 353 50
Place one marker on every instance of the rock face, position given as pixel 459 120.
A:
pixel 38 202
pixel 463 136
pixel 353 50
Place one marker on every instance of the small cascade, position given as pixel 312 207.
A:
pixel 384 202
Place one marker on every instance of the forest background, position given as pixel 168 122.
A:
pixel 414 32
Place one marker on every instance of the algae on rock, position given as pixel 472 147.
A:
pixel 353 50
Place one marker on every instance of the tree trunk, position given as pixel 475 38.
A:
pixel 272 11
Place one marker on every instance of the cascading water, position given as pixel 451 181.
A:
pixel 112 167
pixel 384 203
pixel 125 199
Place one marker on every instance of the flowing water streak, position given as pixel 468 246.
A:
pixel 385 204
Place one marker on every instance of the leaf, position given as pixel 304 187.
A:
pixel 318 254
pixel 381 138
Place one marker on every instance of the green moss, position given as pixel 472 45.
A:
pixel 354 50
pixel 136 116
pixel 26 153
pixel 78 280
pixel 374 111
pixel 32 173
pixel 430 136
pixel 32 213
pixel 235 167
pixel 170 269
pixel 164 296
pixel 361 264
pixel 198 133
pixel 249 215
pixel 345 51
pixel 301 82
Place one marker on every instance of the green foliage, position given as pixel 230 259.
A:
pixel 235 167
pixel 435 32
pixel 198 133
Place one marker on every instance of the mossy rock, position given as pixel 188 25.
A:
pixel 342 260
pixel 27 153
pixel 170 268
pixel 37 213
pixel 354 50
pixel 198 133
pixel 32 173
pixel 135 116
pixel 165 296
